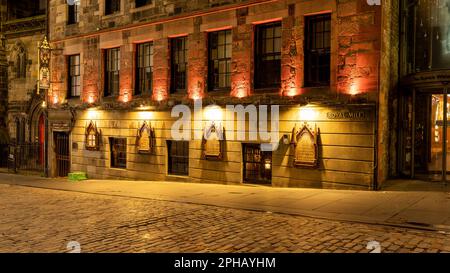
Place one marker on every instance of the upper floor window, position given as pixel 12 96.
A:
pixel 112 6
pixel 144 69
pixel 317 50
pixel 112 69
pixel 268 55
pixel 73 13
pixel 219 68
pixel 178 63
pixel 141 3
pixel 74 79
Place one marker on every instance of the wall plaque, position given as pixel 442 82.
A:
pixel 145 138
pixel 92 137
pixel 305 146
pixel 213 142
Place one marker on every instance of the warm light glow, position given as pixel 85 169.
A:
pixel 353 90
pixel 55 99
pixel 307 113
pixel 93 113
pixel 44 104
pixel 213 113
pixel 241 93
pixel 292 92
pixel 267 164
pixel 145 115
pixel 125 98
pixel 91 99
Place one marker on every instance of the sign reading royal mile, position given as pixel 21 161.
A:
pixel 347 115
pixel 428 77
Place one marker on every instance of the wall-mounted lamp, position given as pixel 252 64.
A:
pixel 286 139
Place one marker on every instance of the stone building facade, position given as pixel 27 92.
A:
pixel 329 72
pixel 23 27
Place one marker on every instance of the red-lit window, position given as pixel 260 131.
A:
pixel 317 50
pixel 74 79
pixel 268 55
pixel 178 63
pixel 112 68
pixel 144 69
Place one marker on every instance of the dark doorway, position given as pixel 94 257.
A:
pixel 62 153
pixel 178 157
pixel 257 164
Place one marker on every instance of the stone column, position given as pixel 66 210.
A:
pixel 92 62
pixel 197 70
pixel 126 69
pixel 291 56
pixel 161 69
pixel 242 57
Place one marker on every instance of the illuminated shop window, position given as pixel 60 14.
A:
pixel 144 69
pixel 317 50
pixel 92 136
pixel 268 55
pixel 178 63
pixel 74 78
pixel 112 68
pixel 219 70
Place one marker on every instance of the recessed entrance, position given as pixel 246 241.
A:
pixel 431 157
pixel 257 164
pixel 62 153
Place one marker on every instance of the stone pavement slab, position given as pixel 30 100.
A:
pixel 418 209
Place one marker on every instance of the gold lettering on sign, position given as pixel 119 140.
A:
pixel 305 143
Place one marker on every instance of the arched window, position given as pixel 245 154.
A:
pixel 21 63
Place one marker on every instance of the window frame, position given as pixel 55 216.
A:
pixel 70 83
pixel 314 54
pixel 111 86
pixel 182 159
pixel 140 75
pixel 73 13
pixel 261 76
pixel 116 161
pixel 109 7
pixel 146 3
pixel 175 81
pixel 213 44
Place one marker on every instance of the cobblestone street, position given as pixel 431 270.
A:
pixel 41 220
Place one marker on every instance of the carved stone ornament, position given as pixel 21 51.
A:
pixel 92 137
pixel 145 138
pixel 213 142
pixel 305 146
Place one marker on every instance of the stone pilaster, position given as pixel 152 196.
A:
pixel 291 57
pixel 161 69
pixel 92 61
pixel 126 69
pixel 197 65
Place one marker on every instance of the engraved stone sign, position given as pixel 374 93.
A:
pixel 213 142
pixel 92 136
pixel 144 138
pixel 305 143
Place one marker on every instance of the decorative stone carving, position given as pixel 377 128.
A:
pixel 145 138
pixel 92 136
pixel 305 146
pixel 213 142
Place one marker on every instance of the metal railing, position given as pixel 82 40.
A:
pixel 27 157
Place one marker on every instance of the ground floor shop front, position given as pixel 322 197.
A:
pixel 316 146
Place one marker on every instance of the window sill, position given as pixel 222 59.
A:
pixel 145 7
pixel 112 15
pixel 117 168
